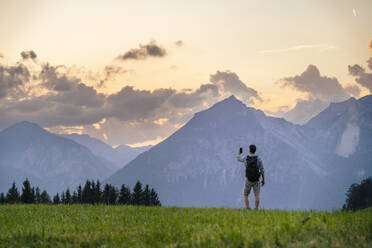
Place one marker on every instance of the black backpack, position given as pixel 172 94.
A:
pixel 252 171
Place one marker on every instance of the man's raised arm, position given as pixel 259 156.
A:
pixel 240 159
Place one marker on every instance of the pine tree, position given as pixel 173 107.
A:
pixel 87 193
pixel 44 198
pixel 137 196
pixel 37 196
pixel 359 196
pixel 63 198
pixel 147 196
pixel 13 195
pixel 68 196
pixel 33 195
pixel 27 194
pixel 74 198
pixel 113 195
pixel 125 195
pixel 106 194
pixel 79 194
pixel 2 198
pixel 154 199
pixel 56 199
pixel 97 193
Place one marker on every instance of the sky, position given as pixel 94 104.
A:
pixel 133 72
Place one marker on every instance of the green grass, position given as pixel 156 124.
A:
pixel 129 226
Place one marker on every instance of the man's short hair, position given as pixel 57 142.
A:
pixel 252 148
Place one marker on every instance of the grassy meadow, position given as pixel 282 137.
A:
pixel 135 226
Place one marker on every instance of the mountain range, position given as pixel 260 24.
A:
pixel 307 166
pixel 56 162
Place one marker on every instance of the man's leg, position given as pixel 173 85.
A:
pixel 256 200
pixel 247 190
pixel 246 201
pixel 256 191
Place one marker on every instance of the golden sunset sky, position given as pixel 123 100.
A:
pixel 262 42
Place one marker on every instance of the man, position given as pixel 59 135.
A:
pixel 253 170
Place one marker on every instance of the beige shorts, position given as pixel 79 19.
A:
pixel 248 185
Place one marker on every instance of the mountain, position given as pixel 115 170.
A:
pixel 344 130
pixel 305 110
pixel 118 157
pixel 48 160
pixel 197 166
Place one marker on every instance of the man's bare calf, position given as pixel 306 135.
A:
pixel 246 201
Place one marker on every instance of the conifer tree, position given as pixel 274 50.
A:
pixel 68 197
pixel 87 193
pixel 2 198
pixel 56 199
pixel 97 193
pixel 79 194
pixel 137 196
pixel 359 196
pixel 113 195
pixel 45 198
pixel 154 199
pixel 37 195
pixel 63 198
pixel 33 197
pixel 27 193
pixel 147 196
pixel 106 194
pixel 13 195
pixel 74 198
pixel 125 195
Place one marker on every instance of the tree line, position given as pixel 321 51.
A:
pixel 359 196
pixel 90 193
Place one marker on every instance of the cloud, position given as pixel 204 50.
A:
pixel 143 52
pixel 355 70
pixel 229 82
pixel 110 72
pixel 12 78
pixel 362 78
pixel 58 97
pixel 179 43
pixel 321 47
pixel 317 86
pixel 352 89
pixel 55 78
pixel 28 55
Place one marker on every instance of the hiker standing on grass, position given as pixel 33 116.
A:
pixel 253 169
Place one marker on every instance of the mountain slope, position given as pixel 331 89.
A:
pixel 345 131
pixel 118 157
pixel 196 166
pixel 49 161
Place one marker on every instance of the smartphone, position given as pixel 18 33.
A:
pixel 241 150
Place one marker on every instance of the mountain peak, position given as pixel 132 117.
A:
pixel 231 99
pixel 230 102
pixel 25 125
